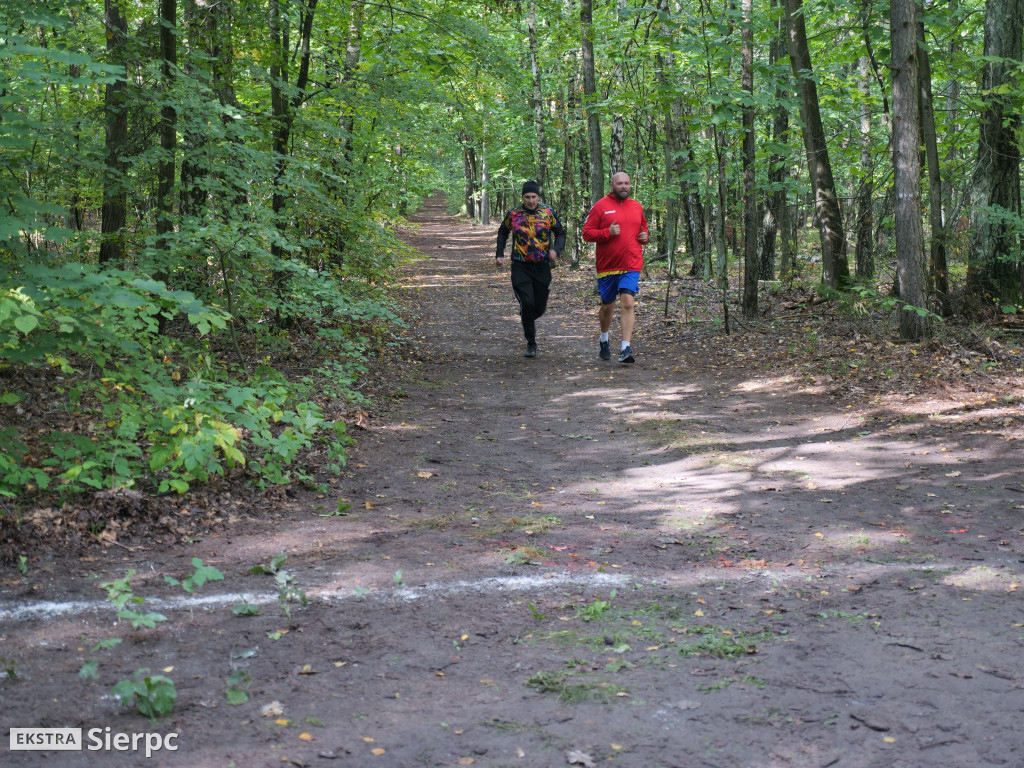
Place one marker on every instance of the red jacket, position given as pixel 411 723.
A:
pixel 622 253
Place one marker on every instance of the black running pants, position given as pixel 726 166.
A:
pixel 531 282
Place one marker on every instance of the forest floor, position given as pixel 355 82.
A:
pixel 795 545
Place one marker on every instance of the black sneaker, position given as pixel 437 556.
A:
pixel 606 351
pixel 531 349
pixel 626 356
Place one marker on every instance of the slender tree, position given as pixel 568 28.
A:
pixel 168 122
pixel 910 259
pixel 835 268
pixel 538 94
pixel 115 194
pixel 749 164
pixel 597 180
pixel 775 196
pixel 938 270
pixel 864 249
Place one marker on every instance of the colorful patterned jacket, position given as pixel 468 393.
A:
pixel 534 233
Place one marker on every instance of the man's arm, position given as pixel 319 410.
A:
pixel 591 233
pixel 503 233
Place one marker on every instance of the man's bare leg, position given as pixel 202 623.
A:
pixel 604 316
pixel 627 316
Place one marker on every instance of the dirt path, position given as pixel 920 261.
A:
pixel 564 561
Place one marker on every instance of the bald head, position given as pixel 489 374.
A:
pixel 621 185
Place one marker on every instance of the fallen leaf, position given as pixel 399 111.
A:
pixel 378 751
pixel 425 474
pixel 307 669
pixel 368 505
pixel 281 721
pixel 579 758
pixel 305 737
pixel 466 761
pixel 272 709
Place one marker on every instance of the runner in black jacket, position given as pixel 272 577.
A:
pixel 538 238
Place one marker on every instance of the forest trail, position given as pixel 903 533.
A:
pixel 684 562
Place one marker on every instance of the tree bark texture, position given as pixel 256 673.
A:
pixel 864 250
pixel 597 181
pixel 750 265
pixel 993 271
pixel 168 122
pixel 775 198
pixel 910 258
pixel 835 268
pixel 538 96
pixel 937 268
pixel 115 198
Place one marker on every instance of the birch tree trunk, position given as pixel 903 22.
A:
pixel 910 259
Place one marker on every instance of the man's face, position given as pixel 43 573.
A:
pixel 621 185
pixel 530 200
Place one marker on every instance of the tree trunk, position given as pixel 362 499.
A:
pixel 673 171
pixel 469 172
pixel 284 108
pixel 910 259
pixel 168 123
pixel 864 251
pixel 485 203
pixel 597 181
pixel 749 158
pixel 775 202
pixel 115 198
pixel 353 49
pixel 200 45
pixel 835 268
pixel 568 201
pixel 993 270
pixel 617 140
pixel 538 96
pixel 937 250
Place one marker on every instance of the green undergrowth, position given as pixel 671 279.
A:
pixel 133 385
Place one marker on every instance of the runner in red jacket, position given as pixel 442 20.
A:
pixel 618 225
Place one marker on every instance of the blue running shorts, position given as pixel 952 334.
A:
pixel 610 286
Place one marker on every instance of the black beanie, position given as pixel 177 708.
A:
pixel 531 186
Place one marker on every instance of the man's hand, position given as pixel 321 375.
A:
pixel 643 237
pixel 613 230
pixel 553 257
pixel 499 261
